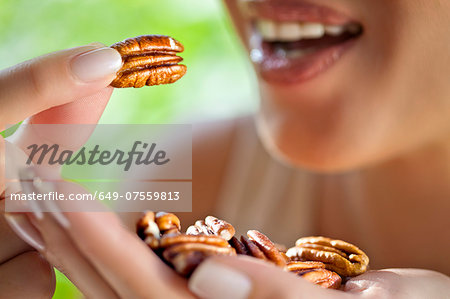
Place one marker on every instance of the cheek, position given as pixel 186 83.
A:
pixel 238 20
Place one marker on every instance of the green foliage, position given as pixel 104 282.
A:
pixel 217 83
pixel 64 288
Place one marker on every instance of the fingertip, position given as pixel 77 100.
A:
pixel 213 279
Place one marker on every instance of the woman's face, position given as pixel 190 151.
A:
pixel 347 83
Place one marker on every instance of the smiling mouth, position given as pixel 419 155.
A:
pixel 292 42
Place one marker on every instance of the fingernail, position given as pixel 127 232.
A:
pixel 27 177
pixel 20 224
pixel 52 207
pixel 96 64
pixel 97 45
pixel 214 280
pixel 57 214
pixel 31 182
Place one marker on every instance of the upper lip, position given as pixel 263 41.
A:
pixel 291 11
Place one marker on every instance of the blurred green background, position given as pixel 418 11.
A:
pixel 218 84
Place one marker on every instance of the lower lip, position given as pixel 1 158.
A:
pixel 282 70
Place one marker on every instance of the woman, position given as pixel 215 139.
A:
pixel 352 94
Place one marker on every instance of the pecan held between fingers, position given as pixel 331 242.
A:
pixel 148 60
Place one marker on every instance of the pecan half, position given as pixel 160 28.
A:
pixel 162 233
pixel 169 240
pixel 339 256
pixel 212 226
pixel 148 230
pixel 260 246
pixel 186 252
pixel 168 222
pixel 151 227
pixel 148 60
pixel 316 273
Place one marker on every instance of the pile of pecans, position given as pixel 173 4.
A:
pixel 322 261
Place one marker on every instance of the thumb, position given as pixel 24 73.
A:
pixel 244 277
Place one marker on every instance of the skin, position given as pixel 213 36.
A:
pixel 364 124
pixel 377 120
pixel 29 91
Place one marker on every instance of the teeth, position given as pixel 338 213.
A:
pixel 290 31
pixel 334 30
pixel 293 31
pixel 268 30
pixel 312 30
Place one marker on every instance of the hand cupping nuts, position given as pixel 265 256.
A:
pixel 148 60
pixel 322 261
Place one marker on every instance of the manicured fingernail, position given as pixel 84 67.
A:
pixel 27 177
pixel 96 64
pixel 25 230
pixel 214 280
pixel 52 207
pixel 97 45
pixel 57 214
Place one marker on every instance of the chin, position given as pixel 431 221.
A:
pixel 311 151
pixel 313 162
